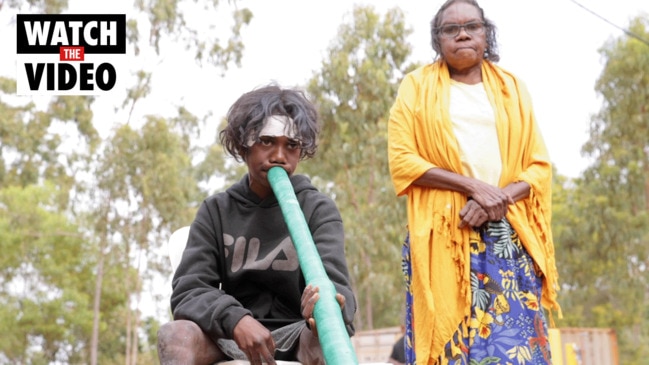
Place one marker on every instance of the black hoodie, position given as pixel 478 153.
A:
pixel 242 245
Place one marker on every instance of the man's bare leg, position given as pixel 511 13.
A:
pixel 309 350
pixel 182 342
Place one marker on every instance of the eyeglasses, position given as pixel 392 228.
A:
pixel 452 30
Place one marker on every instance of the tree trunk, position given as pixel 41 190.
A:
pixel 368 310
pixel 94 344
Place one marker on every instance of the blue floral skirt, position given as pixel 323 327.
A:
pixel 507 324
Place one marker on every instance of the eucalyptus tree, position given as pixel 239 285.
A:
pixel 354 90
pixel 46 265
pixel 44 294
pixel 119 224
pixel 146 176
pixel 603 240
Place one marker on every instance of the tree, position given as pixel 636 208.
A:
pixel 354 90
pixel 148 180
pixel 44 291
pixel 603 237
pixel 123 195
pixel 41 239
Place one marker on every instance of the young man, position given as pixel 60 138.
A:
pixel 238 292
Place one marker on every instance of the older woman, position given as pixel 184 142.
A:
pixel 465 149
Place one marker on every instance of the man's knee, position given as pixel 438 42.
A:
pixel 309 350
pixel 180 332
pixel 183 342
pixel 178 341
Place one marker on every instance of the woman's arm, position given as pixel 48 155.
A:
pixel 485 202
pixel 492 199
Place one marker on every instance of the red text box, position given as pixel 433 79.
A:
pixel 71 54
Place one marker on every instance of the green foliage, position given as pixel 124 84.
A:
pixel 354 90
pixel 45 288
pixel 32 141
pixel 215 159
pixel 39 6
pixel 601 219
pixel 83 218
pixel 169 18
pixel 7 86
pixel 136 163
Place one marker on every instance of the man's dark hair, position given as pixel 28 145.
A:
pixel 246 117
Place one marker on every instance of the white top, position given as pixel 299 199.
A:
pixel 474 123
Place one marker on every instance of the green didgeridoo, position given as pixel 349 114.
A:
pixel 334 340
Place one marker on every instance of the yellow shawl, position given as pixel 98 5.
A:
pixel 420 138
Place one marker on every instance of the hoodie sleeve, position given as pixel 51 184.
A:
pixel 196 292
pixel 326 226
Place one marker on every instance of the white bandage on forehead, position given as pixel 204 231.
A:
pixel 276 126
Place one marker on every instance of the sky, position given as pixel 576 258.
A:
pixel 552 45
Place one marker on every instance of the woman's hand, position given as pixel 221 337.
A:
pixel 492 199
pixel 472 215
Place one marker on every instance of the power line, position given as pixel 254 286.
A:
pixel 626 31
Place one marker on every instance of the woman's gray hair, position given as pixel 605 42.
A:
pixel 491 51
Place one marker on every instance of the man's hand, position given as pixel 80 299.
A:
pixel 310 296
pixel 255 341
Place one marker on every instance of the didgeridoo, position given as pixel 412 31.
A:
pixel 332 334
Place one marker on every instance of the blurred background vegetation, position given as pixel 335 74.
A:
pixel 83 226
